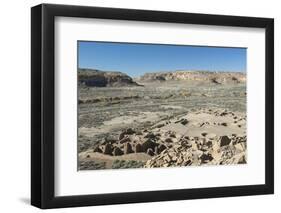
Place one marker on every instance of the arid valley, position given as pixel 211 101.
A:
pixel 161 119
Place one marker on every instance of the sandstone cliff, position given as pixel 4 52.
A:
pixel 214 77
pixel 97 78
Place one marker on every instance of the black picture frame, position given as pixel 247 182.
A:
pixel 43 105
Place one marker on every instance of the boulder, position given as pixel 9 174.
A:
pixel 224 124
pixel 161 148
pixel 159 125
pixel 138 148
pixel 173 135
pixel 168 140
pixel 224 114
pixel 187 163
pixel 150 135
pixel 117 151
pixel 224 140
pixel 242 160
pixel 124 140
pixel 184 122
pixel 128 148
pixel 209 144
pixel 204 134
pixel 206 157
pixel 167 158
pixel 130 131
pixel 108 149
pixel 109 139
pixel 156 150
pixel 148 144
pixel 179 160
pixel 138 133
pixel 121 136
pixel 97 149
pixel 150 152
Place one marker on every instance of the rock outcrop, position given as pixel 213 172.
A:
pixel 204 76
pixel 200 140
pixel 196 151
pixel 97 78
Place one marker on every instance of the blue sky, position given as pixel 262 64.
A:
pixel 137 59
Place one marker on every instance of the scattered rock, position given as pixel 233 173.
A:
pixel 168 140
pixel 184 122
pixel 166 158
pixel 138 148
pixel 161 148
pixel 223 114
pixel 179 160
pixel 117 151
pixel 130 131
pixel 121 136
pixel 209 144
pixel 206 157
pixel 150 152
pixel 107 149
pixel 124 140
pixel 173 135
pixel 97 149
pixel 204 134
pixel 128 148
pixel 138 133
pixel 242 160
pixel 109 139
pixel 150 135
pixel 187 163
pixel 159 125
pixel 224 141
pixel 156 150
pixel 148 144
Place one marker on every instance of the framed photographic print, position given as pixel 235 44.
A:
pixel 139 106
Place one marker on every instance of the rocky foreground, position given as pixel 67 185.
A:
pixel 198 137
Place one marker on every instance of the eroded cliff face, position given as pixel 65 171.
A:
pixel 97 78
pixel 214 77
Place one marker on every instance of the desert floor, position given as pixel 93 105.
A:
pixel 162 124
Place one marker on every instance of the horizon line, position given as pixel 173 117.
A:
pixel 166 71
